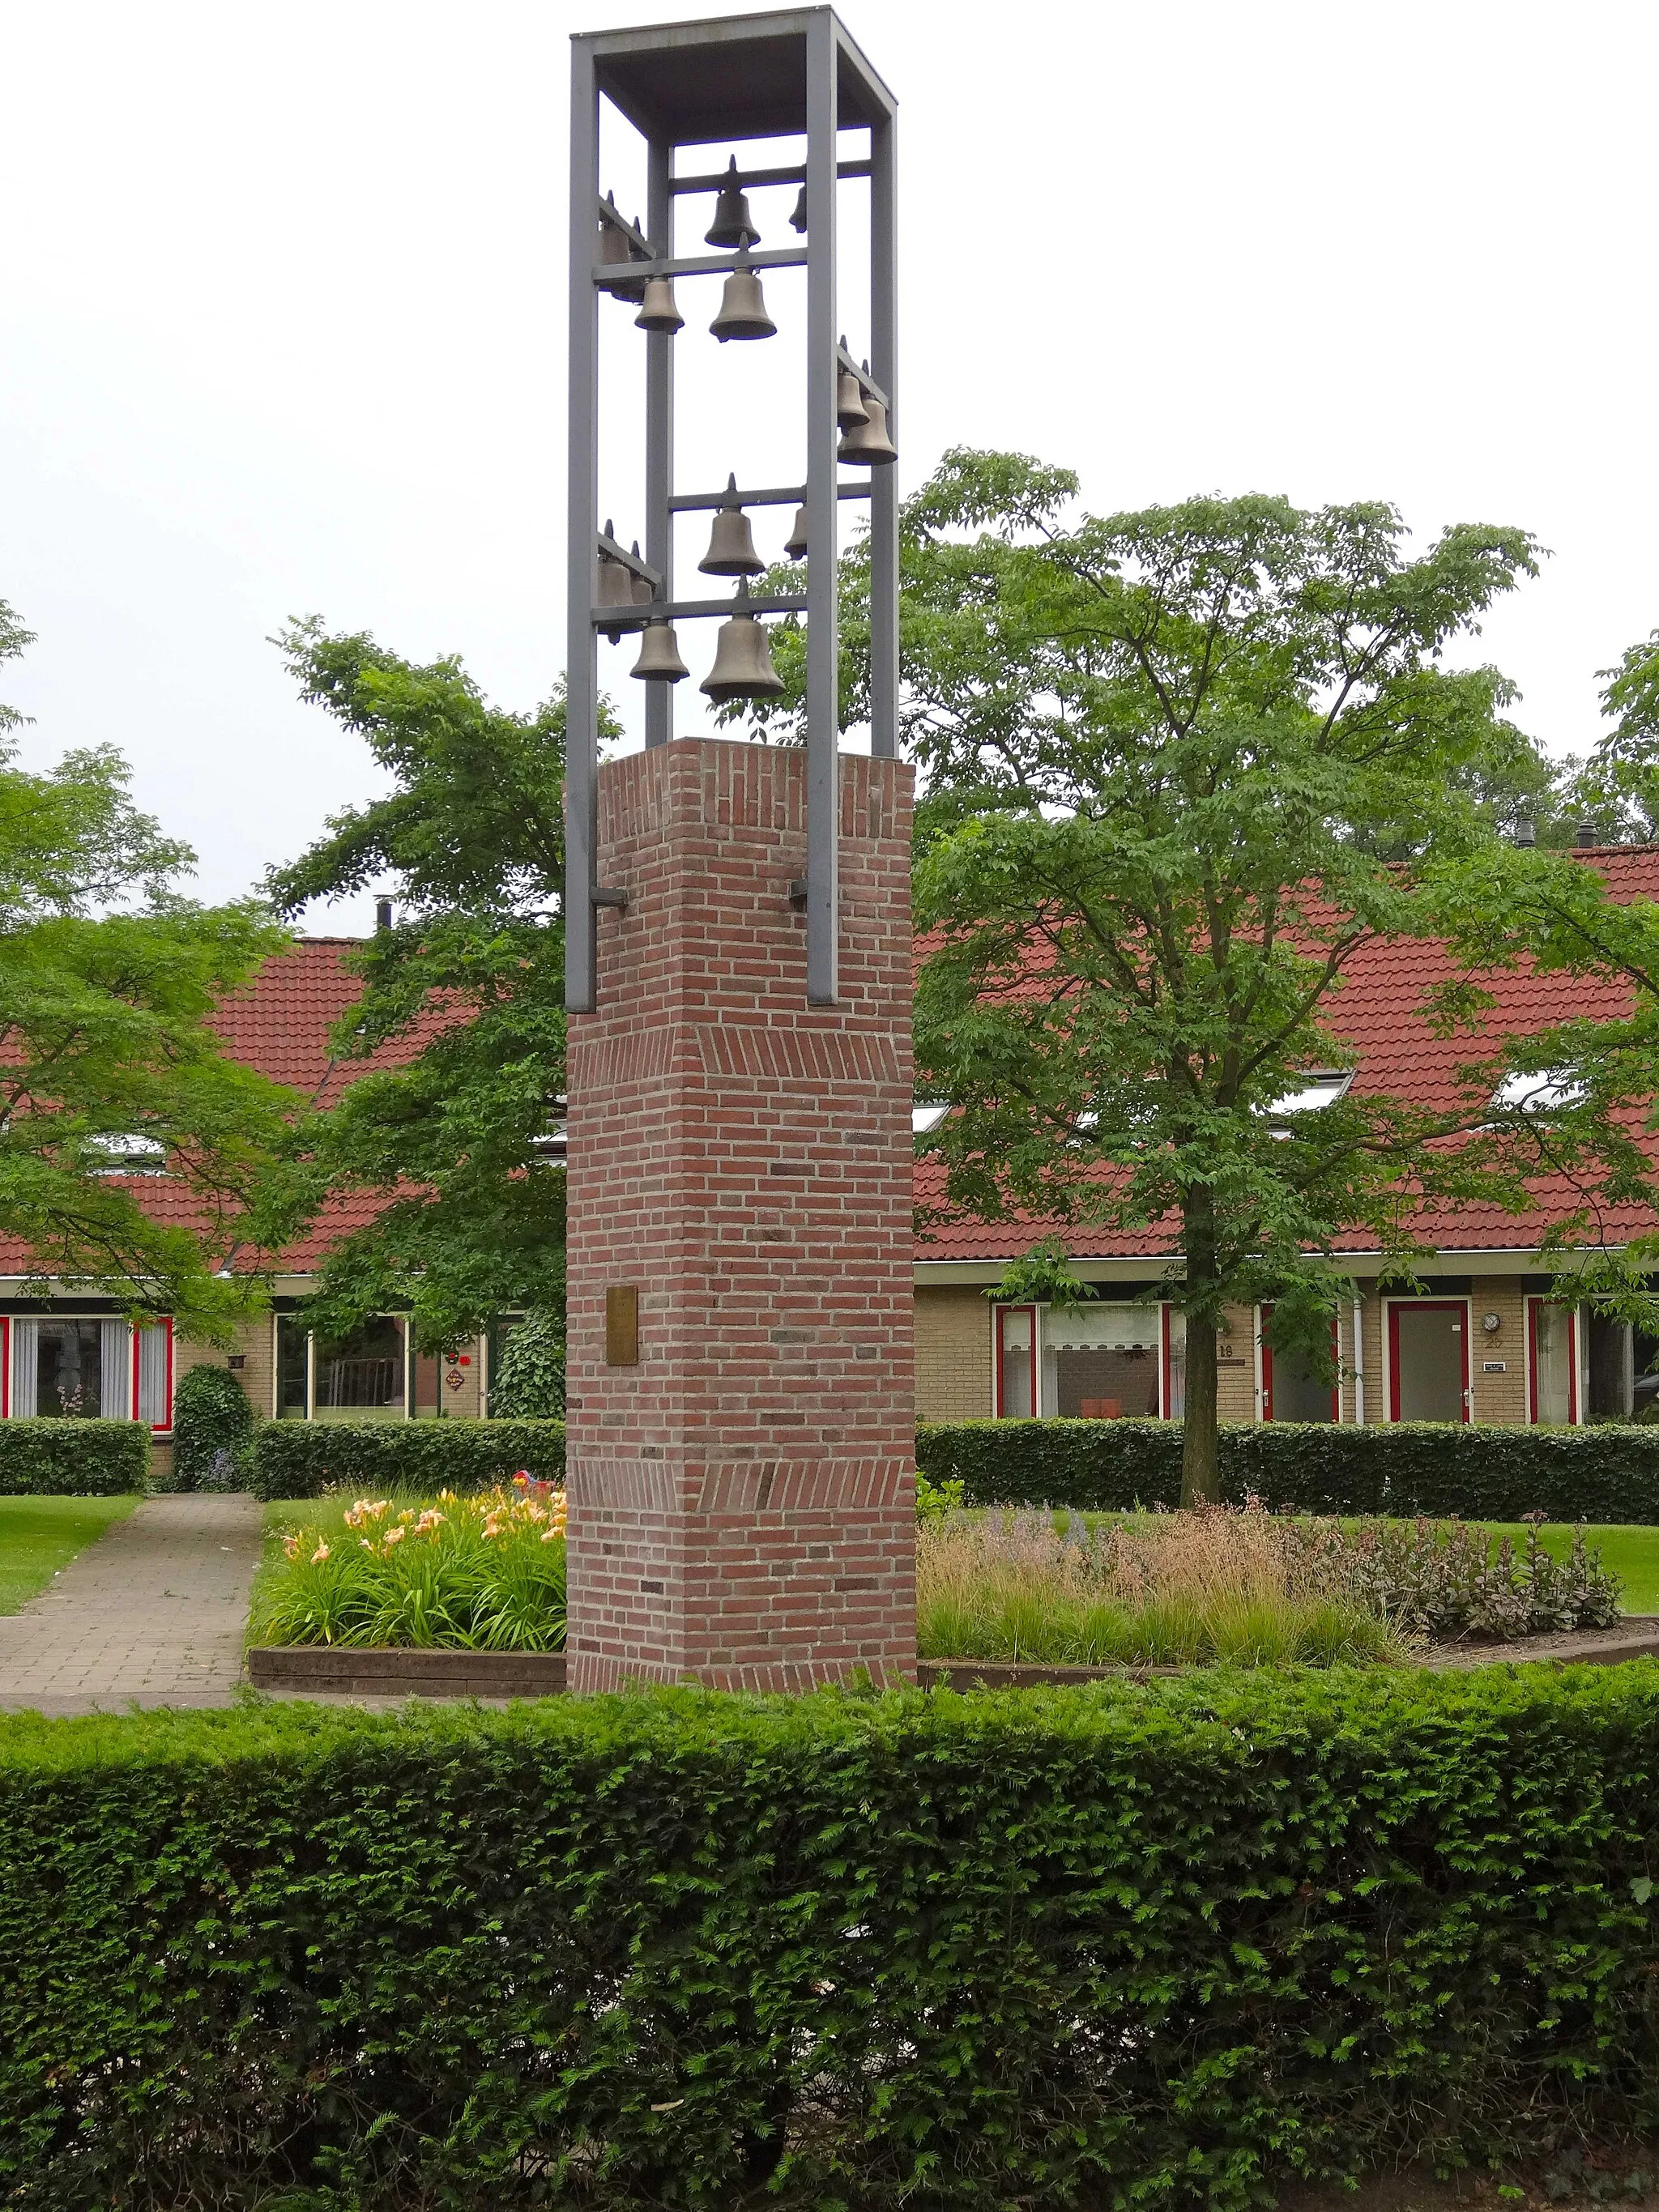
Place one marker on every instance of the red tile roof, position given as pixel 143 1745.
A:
pixel 1398 1055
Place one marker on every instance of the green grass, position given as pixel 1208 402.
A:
pixel 39 1535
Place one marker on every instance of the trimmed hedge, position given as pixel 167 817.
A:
pixel 73 1459
pixel 212 1429
pixel 298 1459
pixel 1609 1473
pixel 1126 1944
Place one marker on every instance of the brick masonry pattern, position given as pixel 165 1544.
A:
pixel 741 1502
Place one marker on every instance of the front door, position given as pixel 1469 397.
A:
pixel 1429 1360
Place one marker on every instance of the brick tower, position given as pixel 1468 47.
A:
pixel 741 1425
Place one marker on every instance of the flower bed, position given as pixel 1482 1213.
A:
pixel 1236 1585
pixel 484 1573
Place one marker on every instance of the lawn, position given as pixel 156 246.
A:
pixel 39 1535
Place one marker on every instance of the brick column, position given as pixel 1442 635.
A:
pixel 742 1499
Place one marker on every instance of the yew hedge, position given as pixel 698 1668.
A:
pixel 1606 1474
pixel 1130 1944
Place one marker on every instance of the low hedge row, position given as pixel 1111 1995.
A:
pixel 298 1459
pixel 1126 1944
pixel 84 1459
pixel 1609 1473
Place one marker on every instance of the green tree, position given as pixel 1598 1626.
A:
pixel 114 1092
pixel 1166 758
pixel 527 1382
pixel 468 982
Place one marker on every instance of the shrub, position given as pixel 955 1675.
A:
pixel 479 1574
pixel 527 1382
pixel 1133 1944
pixel 301 1459
pixel 1400 1470
pixel 73 1458
pixel 212 1429
pixel 1450 1580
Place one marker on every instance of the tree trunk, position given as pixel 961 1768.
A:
pixel 1200 1463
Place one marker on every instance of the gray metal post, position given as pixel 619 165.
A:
pixel 822 703
pixel 660 432
pixel 581 657
pixel 883 489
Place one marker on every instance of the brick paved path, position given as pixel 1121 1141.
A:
pixel 153 1611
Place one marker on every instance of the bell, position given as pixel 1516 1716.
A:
pixel 642 592
pixel 868 441
pixel 743 309
pixel 616 590
pixel 615 246
pixel 732 541
pixel 659 658
pixel 742 663
pixel 732 224
pixel 850 409
pixel 795 544
pixel 658 312
pixel 798 220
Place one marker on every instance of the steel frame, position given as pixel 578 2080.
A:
pixel 808 77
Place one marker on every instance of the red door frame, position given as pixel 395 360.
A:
pixel 1571 1313
pixel 1426 1305
pixel 1267 1368
pixel 165 1427
pixel 1029 1313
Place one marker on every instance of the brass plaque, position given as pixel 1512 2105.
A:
pixel 621 1325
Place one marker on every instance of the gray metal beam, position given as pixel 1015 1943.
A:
pixel 581 647
pixel 635 617
pixel 883 489
pixel 659 435
pixel 685 502
pixel 746 178
pixel 635 273
pixel 823 669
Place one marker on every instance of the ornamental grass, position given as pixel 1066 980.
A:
pixel 484 1573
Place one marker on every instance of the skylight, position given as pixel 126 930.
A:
pixel 1321 1086
pixel 1545 1091
pixel 924 1118
pixel 130 1155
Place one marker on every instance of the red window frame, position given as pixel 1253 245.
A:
pixel 5 1367
pixel 997 1313
pixel 1427 1305
pixel 1571 1313
pixel 1267 1368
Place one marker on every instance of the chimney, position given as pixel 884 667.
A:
pixel 1526 832
pixel 382 914
pixel 1584 837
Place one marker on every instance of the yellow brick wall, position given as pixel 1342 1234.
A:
pixel 1500 1400
pixel 1235 1378
pixel 953 1354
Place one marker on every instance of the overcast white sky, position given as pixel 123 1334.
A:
pixel 281 326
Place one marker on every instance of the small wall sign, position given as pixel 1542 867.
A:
pixel 1494 1367
pixel 621 1325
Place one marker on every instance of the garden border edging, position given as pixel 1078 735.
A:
pixel 392 1671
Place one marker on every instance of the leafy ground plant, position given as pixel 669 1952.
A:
pixel 481 1573
pixel 1239 1586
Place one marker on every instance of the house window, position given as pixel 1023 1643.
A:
pixel 1103 1362
pixel 1429 1360
pixel 1552 1362
pixel 1618 1364
pixel 1291 1390
pixel 362 1377
pixel 82 1367
pixel 1174 1364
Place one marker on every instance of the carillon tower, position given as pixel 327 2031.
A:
pixel 741 1421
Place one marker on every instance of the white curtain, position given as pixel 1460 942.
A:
pixel 115 1370
pixel 25 1368
pixel 152 1377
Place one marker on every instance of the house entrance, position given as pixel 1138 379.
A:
pixel 1428 1360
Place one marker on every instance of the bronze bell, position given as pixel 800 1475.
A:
pixel 850 409
pixel 795 544
pixel 743 663
pixel 798 220
pixel 658 312
pixel 659 658
pixel 617 247
pixel 732 541
pixel 743 308
pixel 868 441
pixel 643 594
pixel 733 224
pixel 616 589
